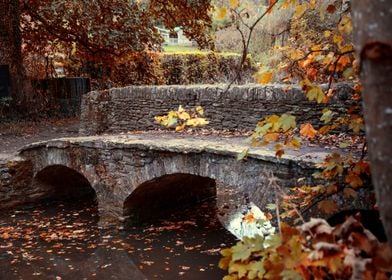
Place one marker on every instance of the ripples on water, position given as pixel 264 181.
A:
pixel 63 241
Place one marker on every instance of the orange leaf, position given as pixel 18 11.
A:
pixel 271 137
pixel 349 192
pixel 279 153
pixel 222 12
pixel 264 78
pixel 327 206
pixel 271 3
pixel 354 180
pixel 250 218
pixel 234 4
pixel 331 9
pixel 308 130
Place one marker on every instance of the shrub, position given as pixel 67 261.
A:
pixel 203 67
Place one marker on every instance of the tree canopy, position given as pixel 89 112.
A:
pixel 93 37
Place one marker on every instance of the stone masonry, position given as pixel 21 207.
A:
pixel 127 171
pixel 116 166
pixel 242 107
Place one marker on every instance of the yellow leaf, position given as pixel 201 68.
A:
pixel 306 83
pixel 222 12
pixel 345 25
pixel 308 130
pixel 265 78
pixel 234 4
pixel 200 110
pixel 327 33
pixel 294 143
pixel 346 48
pixel 172 114
pixel 338 40
pixel 197 122
pixel 161 119
pixel 184 116
pixel 300 10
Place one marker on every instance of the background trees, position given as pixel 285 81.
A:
pixel 10 47
pixel 93 38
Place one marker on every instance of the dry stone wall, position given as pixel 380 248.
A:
pixel 15 178
pixel 134 108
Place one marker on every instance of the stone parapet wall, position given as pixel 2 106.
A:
pixel 134 108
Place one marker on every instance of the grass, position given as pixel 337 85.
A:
pixel 191 50
pixel 176 49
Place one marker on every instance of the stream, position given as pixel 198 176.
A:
pixel 63 241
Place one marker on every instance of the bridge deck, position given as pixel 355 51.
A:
pixel 185 143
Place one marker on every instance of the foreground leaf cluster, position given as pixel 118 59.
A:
pixel 314 250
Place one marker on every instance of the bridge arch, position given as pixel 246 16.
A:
pixel 62 183
pixel 157 197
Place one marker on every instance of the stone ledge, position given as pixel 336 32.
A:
pixel 178 144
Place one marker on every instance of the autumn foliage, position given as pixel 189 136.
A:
pixel 105 40
pixel 314 250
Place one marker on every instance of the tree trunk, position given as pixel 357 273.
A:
pixel 11 48
pixel 373 41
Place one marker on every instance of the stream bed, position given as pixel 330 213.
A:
pixel 63 241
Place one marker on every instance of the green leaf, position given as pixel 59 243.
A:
pixel 290 274
pixel 348 73
pixel 244 249
pixel 271 206
pixel 327 116
pixel 171 122
pixel 316 94
pixel 287 121
pixel 344 145
pixel 243 154
pixel 255 270
pixel 273 241
pixel 263 129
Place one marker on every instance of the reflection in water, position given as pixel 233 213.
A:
pixel 63 241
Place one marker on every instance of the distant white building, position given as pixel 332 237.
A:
pixel 174 37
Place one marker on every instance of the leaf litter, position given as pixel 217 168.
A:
pixel 46 237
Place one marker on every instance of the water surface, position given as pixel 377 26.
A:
pixel 63 241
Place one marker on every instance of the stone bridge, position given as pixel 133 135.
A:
pixel 134 175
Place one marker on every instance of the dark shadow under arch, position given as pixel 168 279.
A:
pixel 156 198
pixel 58 182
